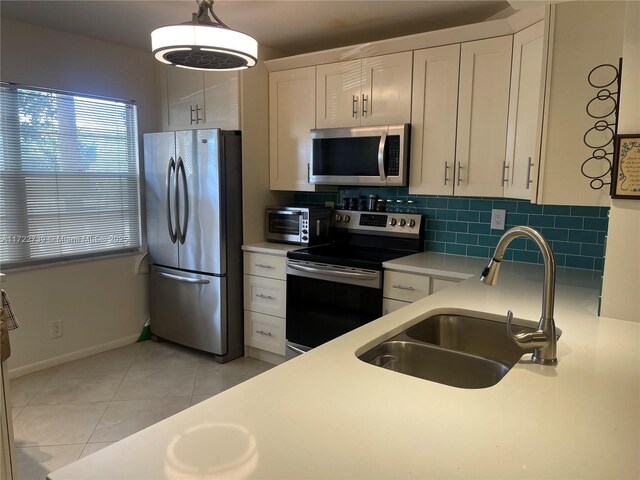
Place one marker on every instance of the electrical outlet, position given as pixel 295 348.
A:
pixel 498 218
pixel 56 329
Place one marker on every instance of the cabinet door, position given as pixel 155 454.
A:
pixel 221 101
pixel 390 305
pixel 485 68
pixel 291 116
pixel 338 100
pixel 386 89
pixel 185 96
pixel 433 119
pixel 524 109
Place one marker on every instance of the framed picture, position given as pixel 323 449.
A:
pixel 625 176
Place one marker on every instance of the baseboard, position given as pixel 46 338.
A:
pixel 263 355
pixel 85 352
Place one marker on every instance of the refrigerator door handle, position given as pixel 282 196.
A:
pixel 184 279
pixel 182 229
pixel 172 231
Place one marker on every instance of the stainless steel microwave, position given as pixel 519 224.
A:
pixel 305 225
pixel 371 156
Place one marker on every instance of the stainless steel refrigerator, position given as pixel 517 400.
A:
pixel 194 235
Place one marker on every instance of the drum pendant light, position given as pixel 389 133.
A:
pixel 204 44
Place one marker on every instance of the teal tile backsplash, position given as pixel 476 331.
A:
pixel 461 226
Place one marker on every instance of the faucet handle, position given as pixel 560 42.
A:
pixel 526 341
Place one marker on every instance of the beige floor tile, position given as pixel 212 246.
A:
pixel 57 424
pixel 64 389
pixel 163 355
pixel 211 380
pixel 128 417
pixel 145 384
pixel 26 387
pixel 34 463
pixel 15 411
pixel 199 398
pixel 93 448
pixel 116 360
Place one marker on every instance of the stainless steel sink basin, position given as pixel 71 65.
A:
pixel 457 350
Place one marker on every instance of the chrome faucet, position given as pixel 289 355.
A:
pixel 542 342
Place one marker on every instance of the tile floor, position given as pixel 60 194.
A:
pixel 70 411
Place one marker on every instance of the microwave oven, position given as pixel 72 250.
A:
pixel 368 156
pixel 306 225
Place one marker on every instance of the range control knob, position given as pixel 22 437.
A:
pixel 347 218
pixel 305 238
pixel 412 223
pixel 338 218
pixel 393 222
pixel 403 222
pixel 305 231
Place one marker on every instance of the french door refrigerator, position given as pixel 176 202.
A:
pixel 194 235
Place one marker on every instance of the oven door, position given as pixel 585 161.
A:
pixel 326 301
pixel 284 225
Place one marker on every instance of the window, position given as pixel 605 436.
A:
pixel 69 182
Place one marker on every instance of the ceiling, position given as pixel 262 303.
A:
pixel 290 26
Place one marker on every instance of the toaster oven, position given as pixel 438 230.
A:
pixel 306 225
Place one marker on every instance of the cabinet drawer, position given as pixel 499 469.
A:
pixel 438 284
pixel 264 331
pixel 389 305
pixel 265 295
pixel 406 286
pixel 265 265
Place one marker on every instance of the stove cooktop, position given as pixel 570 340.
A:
pixel 346 255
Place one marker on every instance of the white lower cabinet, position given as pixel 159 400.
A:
pixel 265 300
pixel 402 288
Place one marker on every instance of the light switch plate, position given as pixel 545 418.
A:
pixel 498 218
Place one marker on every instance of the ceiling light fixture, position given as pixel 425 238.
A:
pixel 204 44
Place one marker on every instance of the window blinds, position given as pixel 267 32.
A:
pixel 69 181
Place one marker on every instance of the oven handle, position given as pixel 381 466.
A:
pixel 335 273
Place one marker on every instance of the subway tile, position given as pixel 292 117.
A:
pixel 575 261
pixel 476 251
pixel 456 249
pixel 428 212
pixel 604 212
pixel 518 244
pixel 598 264
pixel 599 224
pixel 446 214
pixel 467 239
pixel 531 245
pixel 402 191
pixel 480 228
pixel 514 219
pixel 488 240
pixel 602 238
pixel 570 222
pixel 572 248
pixel 561 259
pixel 485 217
pixel 435 202
pixel 435 247
pixel 556 209
pixel 448 237
pixel 531 208
pixel 508 255
pixel 561 234
pixel 481 205
pixel 438 225
pixel 583 236
pixel 585 211
pixel 458 204
pixel 524 256
pixel 468 216
pixel 461 227
pixel 509 206
pixel 430 235
pixel 497 232
pixel 541 221
pixel 592 250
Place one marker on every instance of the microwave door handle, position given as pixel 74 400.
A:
pixel 285 212
pixel 383 141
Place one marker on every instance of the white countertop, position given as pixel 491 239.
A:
pixel 326 414
pixel 438 264
pixel 279 249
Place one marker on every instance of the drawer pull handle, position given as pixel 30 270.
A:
pixel 262 332
pixel 262 265
pixel 266 297
pixel 401 287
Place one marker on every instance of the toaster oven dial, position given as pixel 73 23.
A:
pixel 305 231
pixel 403 222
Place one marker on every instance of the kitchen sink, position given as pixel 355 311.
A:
pixel 457 350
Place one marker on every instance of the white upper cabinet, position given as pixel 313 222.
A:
pixel 371 91
pixel 433 120
pixel 524 110
pixel 193 99
pixel 292 115
pixel 483 106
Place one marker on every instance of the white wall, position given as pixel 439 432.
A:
pixel 102 303
pixel 621 287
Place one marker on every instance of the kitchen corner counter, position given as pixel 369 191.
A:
pixel 326 414
pixel 279 249
pixel 438 264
